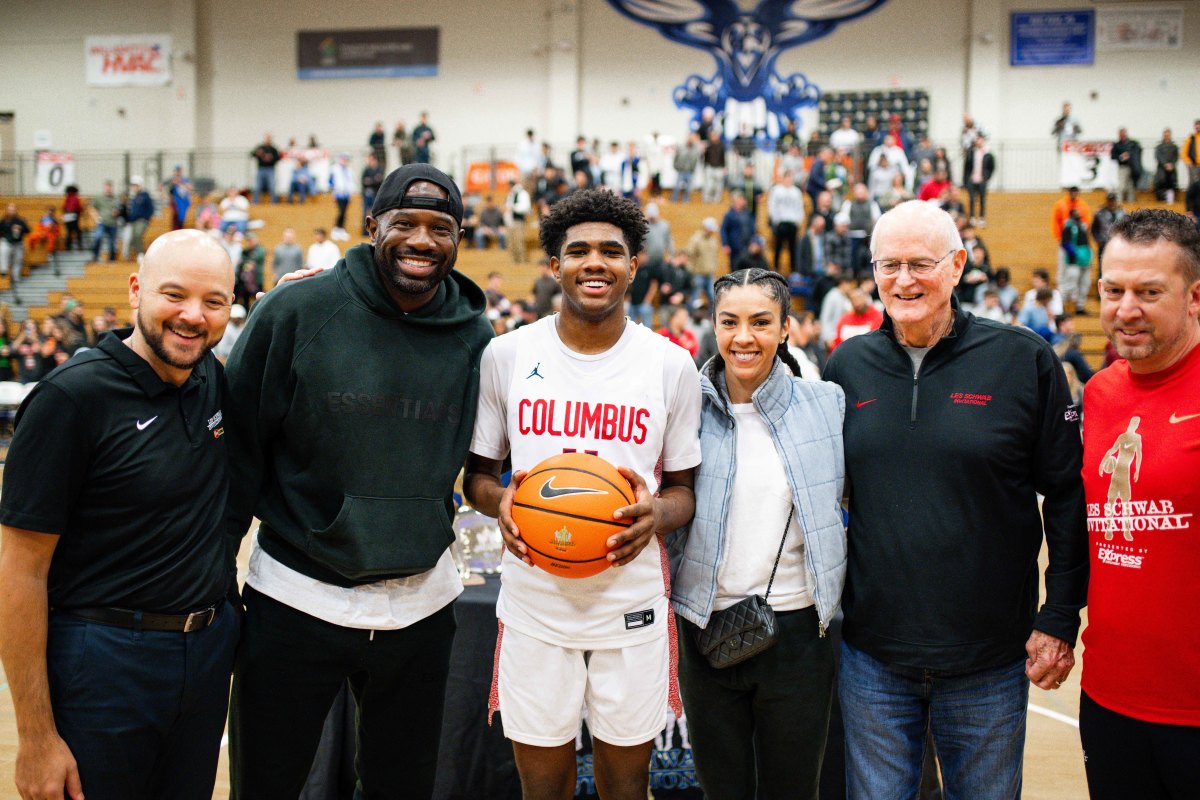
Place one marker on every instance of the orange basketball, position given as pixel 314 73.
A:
pixel 564 511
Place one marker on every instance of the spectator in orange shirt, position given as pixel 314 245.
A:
pixel 1058 217
pixel 46 232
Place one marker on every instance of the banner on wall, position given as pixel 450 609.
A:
pixel 479 177
pixel 1047 38
pixel 136 60
pixel 746 42
pixel 55 171
pixel 1088 165
pixel 367 53
pixel 1139 28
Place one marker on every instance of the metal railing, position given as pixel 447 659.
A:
pixel 1021 165
pixel 18 175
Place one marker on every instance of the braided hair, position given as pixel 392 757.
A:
pixel 774 286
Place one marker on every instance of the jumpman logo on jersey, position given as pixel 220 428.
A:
pixel 534 371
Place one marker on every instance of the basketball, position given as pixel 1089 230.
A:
pixel 564 511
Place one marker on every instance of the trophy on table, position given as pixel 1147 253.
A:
pixel 478 546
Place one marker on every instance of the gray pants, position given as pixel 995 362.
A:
pixel 12 259
pixel 137 229
pixel 1126 189
pixel 1074 283
pixel 1068 287
pixel 714 184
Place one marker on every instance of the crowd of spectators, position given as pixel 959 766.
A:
pixel 823 200
pixel 36 348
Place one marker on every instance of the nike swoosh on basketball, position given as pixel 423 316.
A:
pixel 549 492
pixel 141 426
pixel 1175 419
pixel 865 402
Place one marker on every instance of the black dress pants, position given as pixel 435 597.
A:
pixel 758 728
pixel 290 667
pixel 785 239
pixel 1126 757
pixel 141 710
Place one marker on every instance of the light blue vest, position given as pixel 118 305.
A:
pixel 805 418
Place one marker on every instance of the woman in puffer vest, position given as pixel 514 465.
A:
pixel 768 513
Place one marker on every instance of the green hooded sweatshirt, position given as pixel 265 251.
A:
pixel 349 420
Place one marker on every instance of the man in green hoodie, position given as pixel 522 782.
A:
pixel 355 393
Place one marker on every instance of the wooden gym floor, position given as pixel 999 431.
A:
pixel 1053 758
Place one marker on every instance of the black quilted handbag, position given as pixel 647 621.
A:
pixel 745 629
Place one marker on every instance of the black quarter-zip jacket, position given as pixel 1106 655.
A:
pixel 943 471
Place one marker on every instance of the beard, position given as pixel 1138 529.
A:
pixel 386 263
pixel 1153 346
pixel 154 338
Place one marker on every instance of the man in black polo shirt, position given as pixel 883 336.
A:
pixel 115 634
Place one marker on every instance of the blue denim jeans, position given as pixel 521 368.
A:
pixel 977 720
pixel 683 187
pixel 643 313
pixel 105 231
pixel 703 285
pixel 264 181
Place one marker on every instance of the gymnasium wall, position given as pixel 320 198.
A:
pixel 853 57
pixel 560 66
pixel 43 75
pixel 1144 91
pixel 491 81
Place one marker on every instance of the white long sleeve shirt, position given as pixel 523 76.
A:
pixel 340 180
pixel 519 204
pixel 785 203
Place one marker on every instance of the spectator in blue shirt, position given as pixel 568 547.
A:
pixel 141 211
pixel 736 227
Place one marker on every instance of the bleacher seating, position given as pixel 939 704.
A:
pixel 1017 236
pixel 30 209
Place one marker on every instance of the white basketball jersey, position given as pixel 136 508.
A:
pixel 632 405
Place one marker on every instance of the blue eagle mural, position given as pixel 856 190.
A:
pixel 745 43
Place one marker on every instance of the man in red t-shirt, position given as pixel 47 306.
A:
pixel 934 188
pixel 861 318
pixel 1139 715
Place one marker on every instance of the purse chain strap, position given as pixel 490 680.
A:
pixel 782 539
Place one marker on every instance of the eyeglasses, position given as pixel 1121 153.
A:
pixel 923 267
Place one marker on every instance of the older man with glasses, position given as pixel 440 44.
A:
pixel 954 426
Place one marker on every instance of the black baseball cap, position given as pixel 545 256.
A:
pixel 394 192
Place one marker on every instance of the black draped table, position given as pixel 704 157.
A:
pixel 475 761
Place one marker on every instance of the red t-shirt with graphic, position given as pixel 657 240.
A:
pixel 1141 471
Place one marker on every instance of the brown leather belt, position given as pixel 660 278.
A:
pixel 124 618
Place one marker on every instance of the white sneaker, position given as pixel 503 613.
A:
pixel 339 235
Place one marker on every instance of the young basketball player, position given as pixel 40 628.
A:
pixel 588 380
